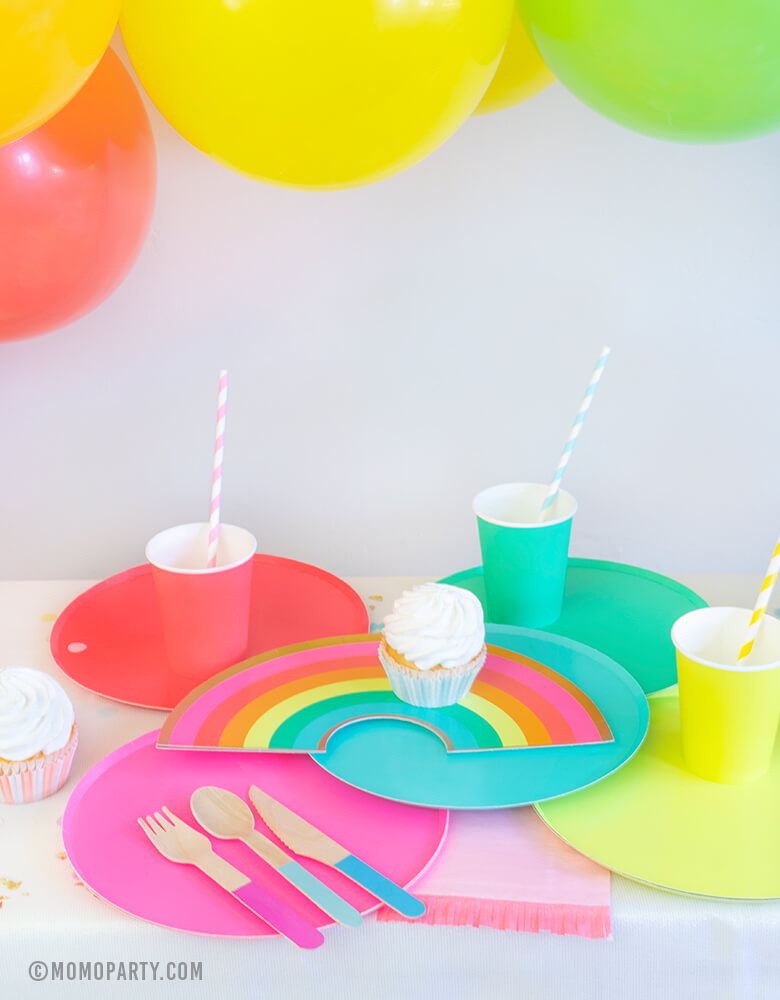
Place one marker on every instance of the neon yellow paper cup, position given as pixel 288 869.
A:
pixel 524 561
pixel 728 712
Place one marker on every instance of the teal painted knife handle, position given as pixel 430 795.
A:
pixel 319 893
pixel 396 898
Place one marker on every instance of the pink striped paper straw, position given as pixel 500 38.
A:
pixel 216 479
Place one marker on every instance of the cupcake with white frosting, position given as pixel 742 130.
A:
pixel 38 735
pixel 433 645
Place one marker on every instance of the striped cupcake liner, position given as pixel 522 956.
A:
pixel 34 779
pixel 430 688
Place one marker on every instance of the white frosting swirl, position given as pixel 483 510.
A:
pixel 36 715
pixel 436 623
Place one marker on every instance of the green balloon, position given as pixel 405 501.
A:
pixel 685 70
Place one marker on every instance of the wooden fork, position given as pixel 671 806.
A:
pixel 179 842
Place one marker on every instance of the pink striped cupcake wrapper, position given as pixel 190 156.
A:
pixel 34 779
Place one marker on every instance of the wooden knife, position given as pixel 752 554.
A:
pixel 304 839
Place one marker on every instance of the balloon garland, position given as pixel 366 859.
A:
pixel 316 95
pixel 521 72
pixel 48 48
pixel 76 200
pixel 320 96
pixel 696 71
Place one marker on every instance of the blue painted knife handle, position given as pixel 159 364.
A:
pixel 321 894
pixel 397 898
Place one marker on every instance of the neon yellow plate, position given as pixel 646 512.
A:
pixel 655 822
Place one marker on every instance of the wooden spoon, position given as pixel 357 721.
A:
pixel 225 815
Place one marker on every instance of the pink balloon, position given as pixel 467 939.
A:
pixel 76 201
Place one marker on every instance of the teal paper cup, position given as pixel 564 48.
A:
pixel 524 560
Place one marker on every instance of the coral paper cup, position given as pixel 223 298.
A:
pixel 205 612
pixel 524 561
pixel 728 712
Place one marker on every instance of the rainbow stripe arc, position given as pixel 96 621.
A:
pixel 296 699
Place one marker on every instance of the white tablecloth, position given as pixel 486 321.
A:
pixel 664 946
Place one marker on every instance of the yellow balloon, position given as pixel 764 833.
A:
pixel 521 73
pixel 48 48
pixel 310 93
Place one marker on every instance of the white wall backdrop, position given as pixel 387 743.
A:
pixel 393 349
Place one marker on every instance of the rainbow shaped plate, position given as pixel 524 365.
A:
pixel 294 699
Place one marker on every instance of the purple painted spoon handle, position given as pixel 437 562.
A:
pixel 279 915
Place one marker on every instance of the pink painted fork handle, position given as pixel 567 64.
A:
pixel 279 916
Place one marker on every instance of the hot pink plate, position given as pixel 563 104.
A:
pixel 111 854
pixel 109 640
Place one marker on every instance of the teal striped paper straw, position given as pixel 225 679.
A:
pixel 555 485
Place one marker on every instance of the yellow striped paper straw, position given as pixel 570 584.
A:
pixel 761 604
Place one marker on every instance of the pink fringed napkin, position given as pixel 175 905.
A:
pixel 505 869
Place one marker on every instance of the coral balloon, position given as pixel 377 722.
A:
pixel 76 199
pixel 521 73
pixel 696 71
pixel 48 48
pixel 314 94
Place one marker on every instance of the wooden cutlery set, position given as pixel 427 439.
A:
pixel 226 816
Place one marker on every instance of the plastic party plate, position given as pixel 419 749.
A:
pixel 656 822
pixel 109 640
pixel 625 612
pixel 111 854
pixel 407 763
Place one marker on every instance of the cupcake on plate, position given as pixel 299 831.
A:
pixel 38 735
pixel 433 645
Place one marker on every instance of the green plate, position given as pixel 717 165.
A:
pixel 625 612
pixel 655 822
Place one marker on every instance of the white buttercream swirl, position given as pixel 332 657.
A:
pixel 436 623
pixel 36 715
